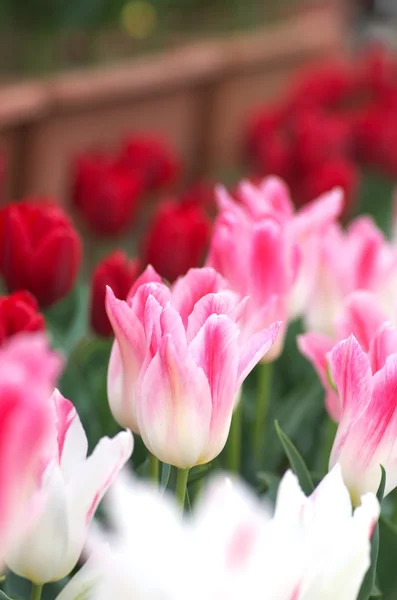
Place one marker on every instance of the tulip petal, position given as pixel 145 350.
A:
pixel 351 373
pixel 55 265
pixel 383 344
pixel 149 275
pixel 215 350
pixel 188 290
pixel 315 347
pixel 221 303
pixel 174 407
pixel 254 349
pixel 127 357
pixel 72 440
pixel 362 317
pixel 88 485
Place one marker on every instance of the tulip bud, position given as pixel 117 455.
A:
pixel 152 158
pixel 70 488
pixel 106 194
pixel 177 239
pixel 40 250
pixel 117 272
pixel 19 312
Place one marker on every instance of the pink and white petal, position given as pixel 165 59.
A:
pixel 188 290
pixel 174 407
pixel 351 372
pixel 227 204
pixel 362 316
pixel 127 358
pixel 138 302
pixel 151 324
pixel 39 551
pixel 224 302
pixel 72 440
pixel 278 197
pixel 254 349
pixel 148 276
pixel 379 425
pixel 91 481
pixel 171 324
pixel 317 215
pixel 315 347
pixel 215 350
pixel 383 344
pixel 266 261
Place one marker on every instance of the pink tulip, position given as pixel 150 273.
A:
pixel 268 252
pixel 361 316
pixel 28 372
pixel 356 259
pixel 70 487
pixel 367 431
pixel 178 362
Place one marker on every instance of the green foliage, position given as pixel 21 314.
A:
pixel 296 461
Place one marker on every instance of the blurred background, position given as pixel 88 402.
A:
pixel 214 84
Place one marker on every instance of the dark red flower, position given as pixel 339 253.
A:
pixel 201 193
pixel 177 239
pixel 118 272
pixel 19 312
pixel 152 158
pixel 40 250
pixel 106 193
pixel 327 85
pixel 318 137
pixel 338 172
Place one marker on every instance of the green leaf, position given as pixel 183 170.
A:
pixel 381 489
pixel 165 475
pixel 4 595
pixel 369 584
pixel 296 461
pixel 386 567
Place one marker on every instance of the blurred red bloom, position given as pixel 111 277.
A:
pixel 337 172
pixel 177 238
pixel 118 272
pixel 40 250
pixel 106 193
pixel 319 136
pixel 152 159
pixel 201 193
pixel 19 312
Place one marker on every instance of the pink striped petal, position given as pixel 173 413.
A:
pixel 148 276
pixel 221 303
pixel 254 349
pixel 315 347
pixel 72 440
pixel 188 290
pixel 361 316
pixel 351 372
pixel 383 344
pixel 174 407
pixel 215 350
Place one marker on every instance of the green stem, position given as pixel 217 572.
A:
pixel 233 446
pixel 154 468
pixel 181 483
pixel 37 589
pixel 264 374
pixel 327 443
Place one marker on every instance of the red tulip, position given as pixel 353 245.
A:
pixel 40 250
pixel 117 272
pixel 177 239
pixel 152 159
pixel 19 312
pixel 106 193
